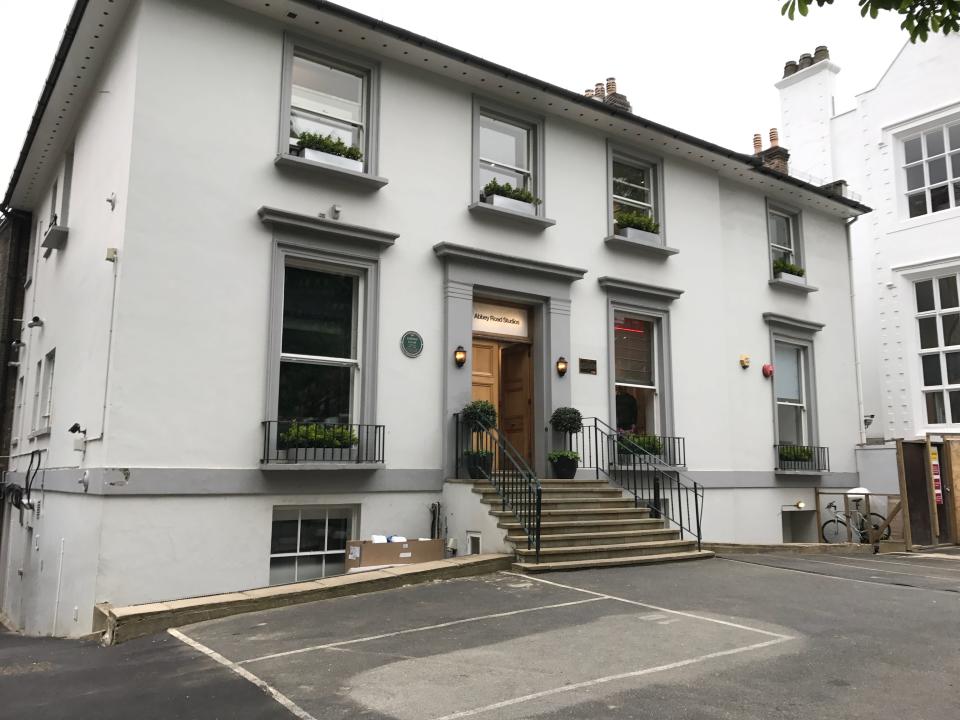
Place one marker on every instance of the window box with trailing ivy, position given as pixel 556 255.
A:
pixel 331 151
pixel 506 196
pixel 636 225
pixel 785 271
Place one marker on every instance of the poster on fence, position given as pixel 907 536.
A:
pixel 935 475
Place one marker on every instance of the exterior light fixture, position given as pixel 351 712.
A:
pixel 800 504
pixel 460 356
pixel 561 366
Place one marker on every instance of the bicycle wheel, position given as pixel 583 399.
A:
pixel 876 519
pixel 834 531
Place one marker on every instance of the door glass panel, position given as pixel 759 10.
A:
pixel 283 537
pixel 931 370
pixel 928 332
pixel 319 393
pixel 318 313
pixel 948 291
pixel 504 142
pixel 786 373
pixel 924 292
pixel 935 409
pixel 633 350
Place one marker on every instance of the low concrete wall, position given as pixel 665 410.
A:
pixel 791 548
pixel 464 512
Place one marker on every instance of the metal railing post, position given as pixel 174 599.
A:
pixel 696 509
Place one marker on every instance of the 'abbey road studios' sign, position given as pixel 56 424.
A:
pixel 500 320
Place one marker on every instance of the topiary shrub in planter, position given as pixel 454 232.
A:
pixel 331 150
pixel 507 196
pixel 564 463
pixel 479 414
pixel 635 224
pixel 566 420
pixel 479 464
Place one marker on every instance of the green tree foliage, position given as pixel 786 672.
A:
pixel 920 17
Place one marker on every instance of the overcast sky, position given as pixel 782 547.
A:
pixel 706 67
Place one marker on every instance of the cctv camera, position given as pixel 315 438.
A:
pixel 75 428
pixel 35 321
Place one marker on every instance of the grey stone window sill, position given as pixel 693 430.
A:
pixel 484 210
pixel 332 172
pixel 337 466
pixel 644 247
pixel 802 288
pixel 42 432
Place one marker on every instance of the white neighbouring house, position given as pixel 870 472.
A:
pixel 199 283
pixel 900 147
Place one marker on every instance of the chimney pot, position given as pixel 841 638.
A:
pixel 821 54
pixel 611 86
pixel 790 68
pixel 598 91
pixel 757 144
pixel 588 92
pixel 774 137
pixel 805 61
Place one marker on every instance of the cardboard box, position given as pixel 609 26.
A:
pixel 364 553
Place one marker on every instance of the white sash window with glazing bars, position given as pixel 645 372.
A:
pixel 938 328
pixel 931 165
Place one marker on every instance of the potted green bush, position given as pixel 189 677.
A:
pixel 788 272
pixel 479 464
pixel 479 414
pixel 631 442
pixel 635 225
pixel 564 463
pixel 566 421
pixel 795 454
pixel 330 150
pixel 334 442
pixel 509 197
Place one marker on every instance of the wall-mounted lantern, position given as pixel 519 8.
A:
pixel 460 356
pixel 561 366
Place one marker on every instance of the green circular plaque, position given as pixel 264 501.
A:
pixel 411 343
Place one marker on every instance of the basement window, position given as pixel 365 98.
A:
pixel 310 542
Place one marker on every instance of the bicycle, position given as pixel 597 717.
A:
pixel 834 530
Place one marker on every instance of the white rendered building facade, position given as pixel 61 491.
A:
pixel 900 148
pixel 248 284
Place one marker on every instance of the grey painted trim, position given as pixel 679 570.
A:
pixel 486 211
pixel 325 227
pixel 330 172
pixel 656 310
pixel 538 166
pixel 804 328
pixel 796 217
pixel 337 57
pixel 506 263
pixel 778 284
pixel 233 481
pixel 39 433
pixel 746 479
pixel 635 157
pixel 655 295
pixel 643 247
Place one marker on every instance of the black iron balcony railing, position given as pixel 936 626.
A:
pixel 802 458
pixel 646 471
pixel 484 453
pixel 308 441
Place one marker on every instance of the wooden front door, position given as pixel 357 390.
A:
pixel 516 398
pixel 486 372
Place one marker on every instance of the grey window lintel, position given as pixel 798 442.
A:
pixel 469 255
pixel 654 293
pixel 644 247
pixel 485 210
pixel 327 227
pixel 331 172
pixel 785 322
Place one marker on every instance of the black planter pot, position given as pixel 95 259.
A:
pixel 564 468
pixel 479 467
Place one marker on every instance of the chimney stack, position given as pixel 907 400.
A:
pixel 611 86
pixel 774 157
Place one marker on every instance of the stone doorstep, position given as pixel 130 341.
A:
pixel 792 548
pixel 125 623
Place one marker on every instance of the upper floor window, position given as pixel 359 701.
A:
pixel 932 168
pixel 633 196
pixel 938 324
pixel 786 244
pixel 508 169
pixel 330 110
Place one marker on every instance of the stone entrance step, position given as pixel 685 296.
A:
pixel 569 553
pixel 532 567
pixel 597 538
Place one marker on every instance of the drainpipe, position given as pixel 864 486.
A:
pixel 856 342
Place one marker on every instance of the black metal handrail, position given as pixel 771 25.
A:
pixel 484 453
pixel 308 441
pixel 802 458
pixel 653 482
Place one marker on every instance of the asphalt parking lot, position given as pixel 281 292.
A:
pixel 753 636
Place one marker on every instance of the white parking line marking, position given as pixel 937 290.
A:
pixel 341 643
pixel 828 577
pixel 286 702
pixel 612 678
pixel 908 564
pixel 891 572
pixel 661 609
